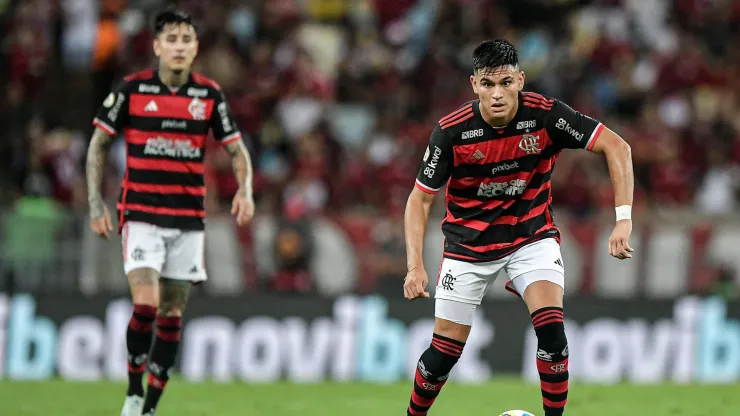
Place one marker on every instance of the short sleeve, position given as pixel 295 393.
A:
pixel 222 121
pixel 570 129
pixel 437 163
pixel 113 113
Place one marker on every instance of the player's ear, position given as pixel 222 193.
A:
pixel 521 80
pixel 474 84
pixel 156 47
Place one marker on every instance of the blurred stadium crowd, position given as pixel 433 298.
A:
pixel 337 99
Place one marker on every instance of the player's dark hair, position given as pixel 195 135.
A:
pixel 171 16
pixel 492 54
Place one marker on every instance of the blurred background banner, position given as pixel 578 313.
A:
pixel 309 338
pixel 336 100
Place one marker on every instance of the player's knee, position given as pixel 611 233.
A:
pixel 550 330
pixel 171 311
pixel 437 361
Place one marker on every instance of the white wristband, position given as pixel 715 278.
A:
pixel 624 212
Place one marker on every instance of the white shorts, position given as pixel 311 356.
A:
pixel 174 254
pixel 466 283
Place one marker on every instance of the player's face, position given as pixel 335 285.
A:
pixel 176 47
pixel 498 91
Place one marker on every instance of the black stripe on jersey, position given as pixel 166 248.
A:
pixel 526 163
pixel 155 124
pixel 165 221
pixel 494 234
pixel 453 248
pixel 471 192
pixel 518 209
pixel 158 177
pixel 137 150
pixel 176 201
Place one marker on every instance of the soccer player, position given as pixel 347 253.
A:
pixel 496 155
pixel 165 116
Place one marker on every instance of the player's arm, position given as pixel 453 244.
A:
pixel 241 164
pixel 226 132
pixel 573 130
pixel 433 174
pixel 97 154
pixel 109 120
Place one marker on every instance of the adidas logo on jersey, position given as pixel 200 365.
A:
pixel 478 155
pixel 152 106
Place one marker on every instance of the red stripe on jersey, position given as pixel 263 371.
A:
pixel 596 135
pixel 135 136
pixel 174 212
pixel 103 126
pixel 495 151
pixel 141 75
pixel 455 113
pixel 166 189
pixel 498 246
pixel 534 95
pixel 204 80
pixel 459 256
pixel 426 189
pixel 546 103
pixel 166 106
pixel 544 166
pixel 165 165
pixel 459 119
pixel 478 204
pixel 533 104
pixel 513 220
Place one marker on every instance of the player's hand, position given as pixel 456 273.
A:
pixel 243 208
pixel 415 283
pixel 619 241
pixel 100 222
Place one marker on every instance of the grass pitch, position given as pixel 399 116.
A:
pixel 62 398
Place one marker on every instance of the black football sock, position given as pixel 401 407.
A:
pixel 162 359
pixel 552 359
pixel 138 342
pixel 432 372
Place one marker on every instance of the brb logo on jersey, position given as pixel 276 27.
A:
pixel 471 134
pixel 530 144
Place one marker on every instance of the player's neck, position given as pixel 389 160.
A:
pixel 499 122
pixel 171 79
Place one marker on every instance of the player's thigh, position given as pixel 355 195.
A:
pixel 143 258
pixel 538 274
pixel 460 288
pixel 185 257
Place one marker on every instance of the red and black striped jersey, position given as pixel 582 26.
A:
pixel 498 179
pixel 165 133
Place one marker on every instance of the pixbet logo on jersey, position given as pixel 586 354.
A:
pixel 159 146
pixel 504 167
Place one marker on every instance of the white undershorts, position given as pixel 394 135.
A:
pixel 461 285
pixel 174 254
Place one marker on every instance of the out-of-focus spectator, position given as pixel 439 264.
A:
pixel 337 99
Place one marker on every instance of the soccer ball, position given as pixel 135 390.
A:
pixel 516 413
